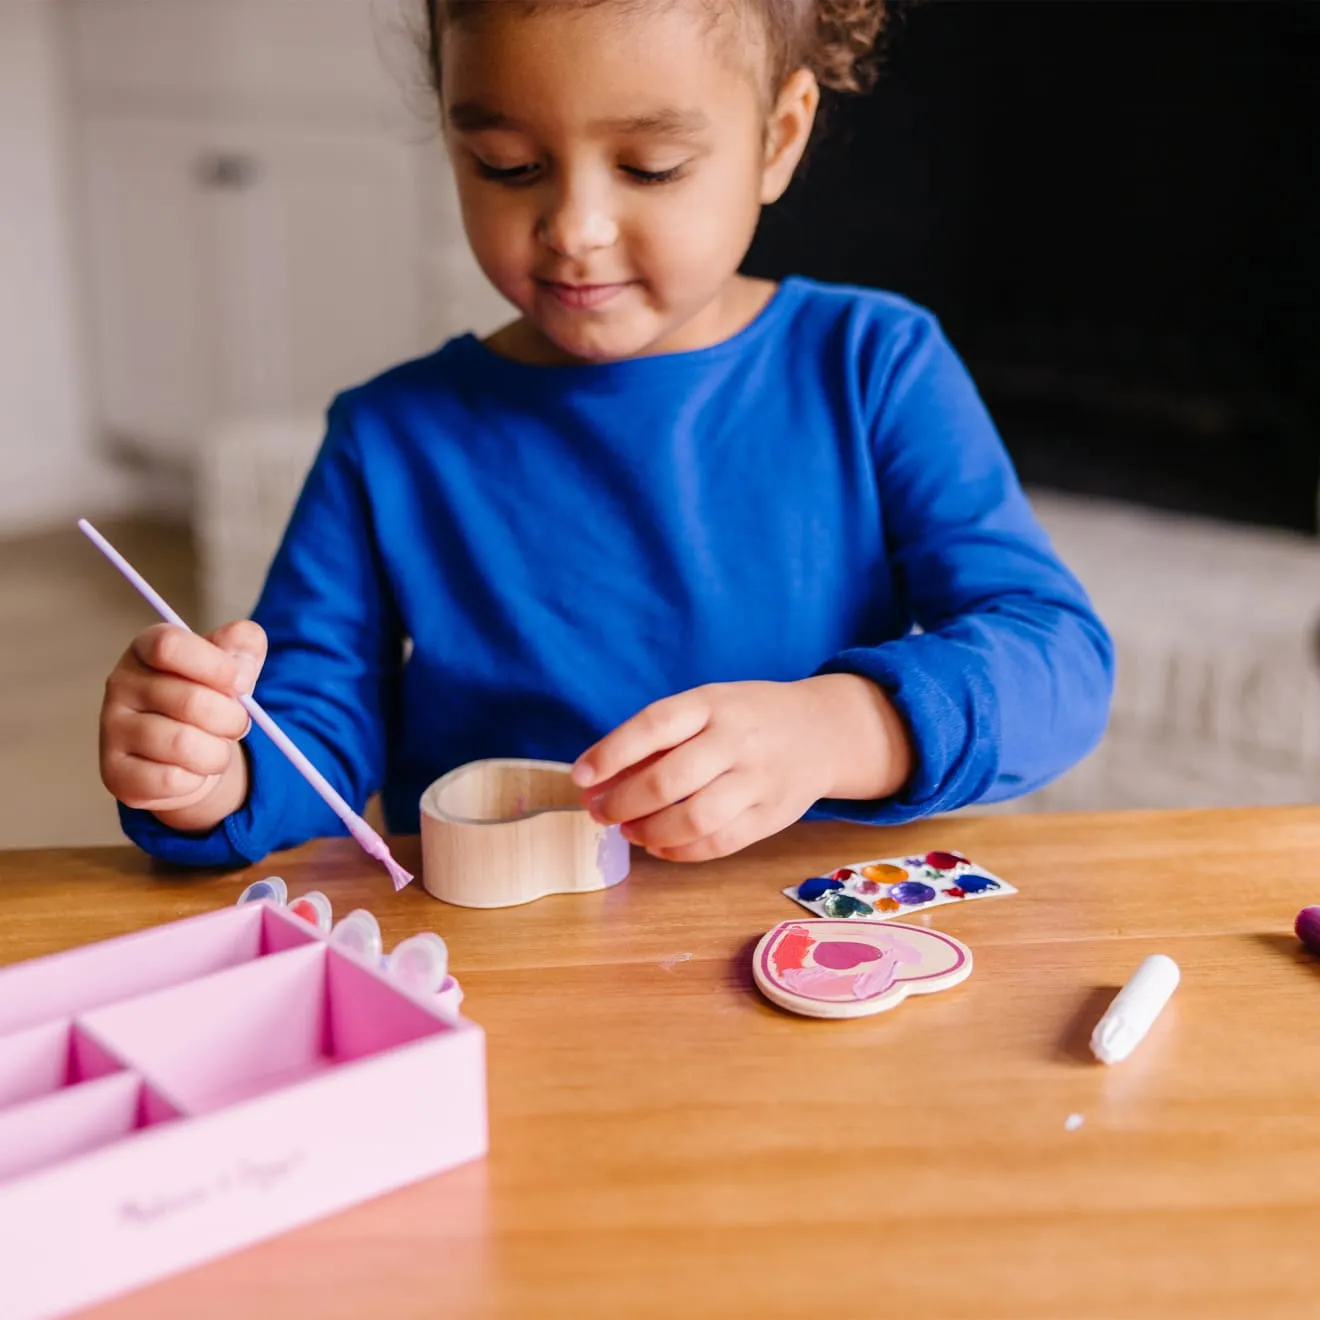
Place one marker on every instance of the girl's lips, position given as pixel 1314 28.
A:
pixel 582 296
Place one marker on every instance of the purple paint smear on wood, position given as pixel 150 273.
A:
pixel 613 856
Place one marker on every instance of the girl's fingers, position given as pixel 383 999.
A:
pixel 748 828
pixel 165 649
pixel 660 783
pixel 171 744
pixel 144 785
pixel 187 703
pixel 656 729
pixel 702 816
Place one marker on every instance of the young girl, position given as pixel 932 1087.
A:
pixel 742 552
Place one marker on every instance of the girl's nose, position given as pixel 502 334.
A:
pixel 576 225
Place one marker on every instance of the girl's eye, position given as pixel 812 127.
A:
pixel 516 174
pixel 655 176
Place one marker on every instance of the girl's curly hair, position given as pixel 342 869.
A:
pixel 838 40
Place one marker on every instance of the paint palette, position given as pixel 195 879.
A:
pixel 179 1093
pixel 896 886
pixel 839 969
pixel 421 962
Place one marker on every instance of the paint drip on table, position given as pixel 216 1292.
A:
pixel 897 886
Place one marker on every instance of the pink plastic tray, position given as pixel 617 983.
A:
pixel 183 1092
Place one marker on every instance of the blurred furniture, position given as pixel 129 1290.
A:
pixel 249 473
pixel 664 1143
pixel 1217 629
pixel 267 213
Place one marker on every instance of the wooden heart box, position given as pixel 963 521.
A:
pixel 497 833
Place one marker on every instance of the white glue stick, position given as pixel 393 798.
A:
pixel 1134 1010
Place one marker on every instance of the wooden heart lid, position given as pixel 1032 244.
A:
pixel 845 969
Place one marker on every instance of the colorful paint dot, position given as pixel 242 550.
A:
pixel 270 890
pixel 867 887
pixel 955 891
pixel 977 884
pixel 844 955
pixel 817 887
pixel 884 874
pixel 843 875
pixel 945 861
pixel 912 892
pixel 835 904
pixel 887 905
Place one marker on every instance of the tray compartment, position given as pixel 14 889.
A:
pixel 76 1120
pixel 46 1059
pixel 263 1026
pixel 76 981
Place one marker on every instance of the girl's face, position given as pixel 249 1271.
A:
pixel 611 162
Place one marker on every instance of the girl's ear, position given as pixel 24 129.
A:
pixel 787 133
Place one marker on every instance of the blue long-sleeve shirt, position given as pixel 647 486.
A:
pixel 491 559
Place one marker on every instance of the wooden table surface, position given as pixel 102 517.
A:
pixel 664 1143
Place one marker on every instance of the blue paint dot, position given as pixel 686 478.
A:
pixel 976 884
pixel 817 887
pixel 911 892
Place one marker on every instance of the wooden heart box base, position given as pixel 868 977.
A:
pixel 502 832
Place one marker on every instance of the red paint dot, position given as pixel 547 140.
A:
pixel 944 861
pixel 843 873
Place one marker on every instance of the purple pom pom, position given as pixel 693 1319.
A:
pixel 1308 928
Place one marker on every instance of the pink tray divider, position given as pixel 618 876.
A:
pixel 191 1191
pixel 303 1082
pixel 79 980
pixel 42 1060
pixel 245 1030
pixel 73 1121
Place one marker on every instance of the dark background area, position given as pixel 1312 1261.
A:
pixel 1115 211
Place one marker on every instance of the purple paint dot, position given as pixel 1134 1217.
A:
pixel 841 955
pixel 911 892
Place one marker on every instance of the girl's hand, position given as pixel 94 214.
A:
pixel 171 723
pixel 708 772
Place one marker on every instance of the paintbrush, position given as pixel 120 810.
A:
pixel 371 842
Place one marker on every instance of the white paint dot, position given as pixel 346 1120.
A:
pixel 1073 1122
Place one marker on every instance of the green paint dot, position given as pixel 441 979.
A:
pixel 836 904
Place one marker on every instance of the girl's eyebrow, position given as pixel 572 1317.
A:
pixel 472 117
pixel 668 121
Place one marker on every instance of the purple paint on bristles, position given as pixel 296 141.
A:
pixel 1308 928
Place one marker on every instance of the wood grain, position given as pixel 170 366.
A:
pixel 665 1143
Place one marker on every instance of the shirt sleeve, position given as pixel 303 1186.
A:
pixel 1006 680
pixel 330 679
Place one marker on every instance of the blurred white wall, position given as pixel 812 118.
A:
pixel 49 468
